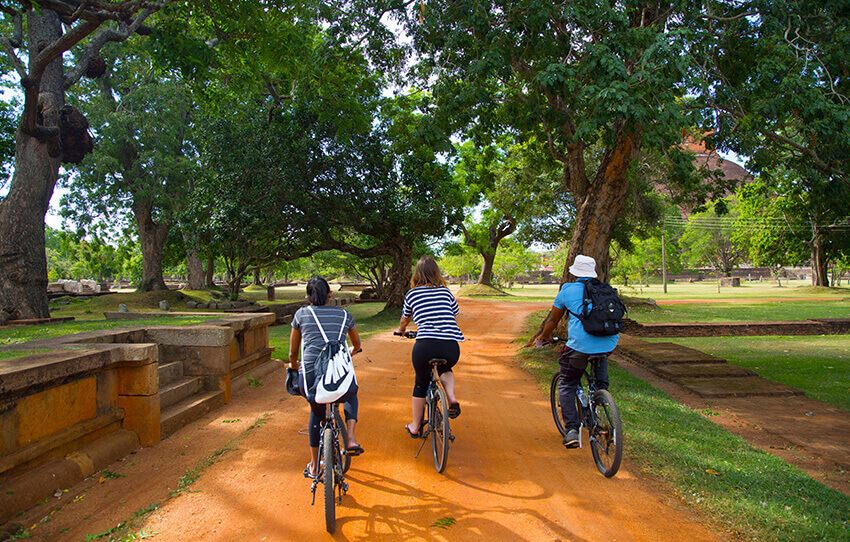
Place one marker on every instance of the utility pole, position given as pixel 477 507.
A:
pixel 663 258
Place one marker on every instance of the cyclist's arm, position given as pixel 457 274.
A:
pixel 354 337
pixel 294 345
pixel 402 324
pixel 552 320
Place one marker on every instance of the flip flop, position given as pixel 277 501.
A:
pixel 454 410
pixel 354 451
pixel 307 469
pixel 411 433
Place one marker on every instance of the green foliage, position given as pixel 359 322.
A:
pixel 72 257
pixel 711 239
pixel 513 261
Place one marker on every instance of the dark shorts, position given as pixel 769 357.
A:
pixel 423 352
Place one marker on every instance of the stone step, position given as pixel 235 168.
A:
pixel 188 410
pixel 176 391
pixel 170 372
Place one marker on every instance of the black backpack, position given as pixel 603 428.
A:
pixel 602 310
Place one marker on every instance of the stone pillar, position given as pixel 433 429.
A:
pixel 270 295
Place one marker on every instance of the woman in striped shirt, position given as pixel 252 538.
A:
pixel 433 309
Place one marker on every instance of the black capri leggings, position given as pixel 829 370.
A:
pixel 423 352
pixel 317 414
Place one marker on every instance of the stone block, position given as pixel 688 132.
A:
pixel 202 335
pixel 142 416
pixel 198 360
pixel 138 380
pixel 52 410
pixel 107 391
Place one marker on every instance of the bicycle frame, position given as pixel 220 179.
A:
pixel 339 475
pixel 587 414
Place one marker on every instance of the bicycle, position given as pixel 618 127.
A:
pixel 335 462
pixel 598 412
pixel 437 410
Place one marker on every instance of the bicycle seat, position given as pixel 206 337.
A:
pixel 438 361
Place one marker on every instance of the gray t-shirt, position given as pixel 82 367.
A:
pixel 332 319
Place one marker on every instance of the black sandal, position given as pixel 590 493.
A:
pixel 307 470
pixel 454 410
pixel 411 433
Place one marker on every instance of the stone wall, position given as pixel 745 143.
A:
pixel 820 326
pixel 95 397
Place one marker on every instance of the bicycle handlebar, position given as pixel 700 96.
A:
pixel 406 334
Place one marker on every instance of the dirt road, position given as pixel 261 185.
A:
pixel 508 477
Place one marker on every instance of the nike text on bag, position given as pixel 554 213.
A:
pixel 602 310
pixel 334 368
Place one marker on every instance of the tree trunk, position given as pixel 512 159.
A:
pixel 23 264
pixel 152 239
pixel 400 273
pixel 256 281
pixel 820 273
pixel 486 276
pixel 194 267
pixel 210 272
pixel 598 209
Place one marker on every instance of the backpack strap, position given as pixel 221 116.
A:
pixel 325 337
pixel 341 328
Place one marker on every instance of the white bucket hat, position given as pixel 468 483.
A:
pixel 583 266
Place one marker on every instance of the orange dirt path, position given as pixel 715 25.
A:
pixel 508 476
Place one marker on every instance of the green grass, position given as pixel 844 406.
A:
pixel 818 365
pixel 684 291
pixel 753 493
pixel 17 335
pixel 755 311
pixel 10 354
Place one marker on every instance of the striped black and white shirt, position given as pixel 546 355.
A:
pixel 433 311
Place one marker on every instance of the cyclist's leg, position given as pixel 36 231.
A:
pixel 421 359
pixel 317 414
pixel 601 373
pixel 350 407
pixel 449 351
pixel 572 365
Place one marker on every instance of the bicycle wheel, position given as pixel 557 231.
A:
pixel 606 442
pixel 439 420
pixel 555 400
pixel 343 440
pixel 328 479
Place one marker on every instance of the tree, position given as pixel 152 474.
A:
pixel 49 133
pixel 778 81
pixel 709 239
pixel 788 220
pixel 514 260
pixel 141 115
pixel 584 76
pixel 509 187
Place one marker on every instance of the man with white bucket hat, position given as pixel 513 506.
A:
pixel 580 344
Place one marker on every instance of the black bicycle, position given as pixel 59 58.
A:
pixel 598 412
pixel 437 411
pixel 334 463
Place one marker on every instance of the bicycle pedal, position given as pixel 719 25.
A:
pixel 345 487
pixel 451 438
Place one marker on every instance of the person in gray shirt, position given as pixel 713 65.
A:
pixel 305 329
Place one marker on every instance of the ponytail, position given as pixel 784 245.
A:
pixel 318 290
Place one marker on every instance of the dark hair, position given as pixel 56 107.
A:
pixel 427 273
pixel 318 290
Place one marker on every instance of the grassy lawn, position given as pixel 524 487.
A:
pixel 817 365
pixel 738 312
pixel 741 489
pixel 685 291
pixel 17 335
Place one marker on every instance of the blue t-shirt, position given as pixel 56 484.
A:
pixel 433 310
pixel 570 298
